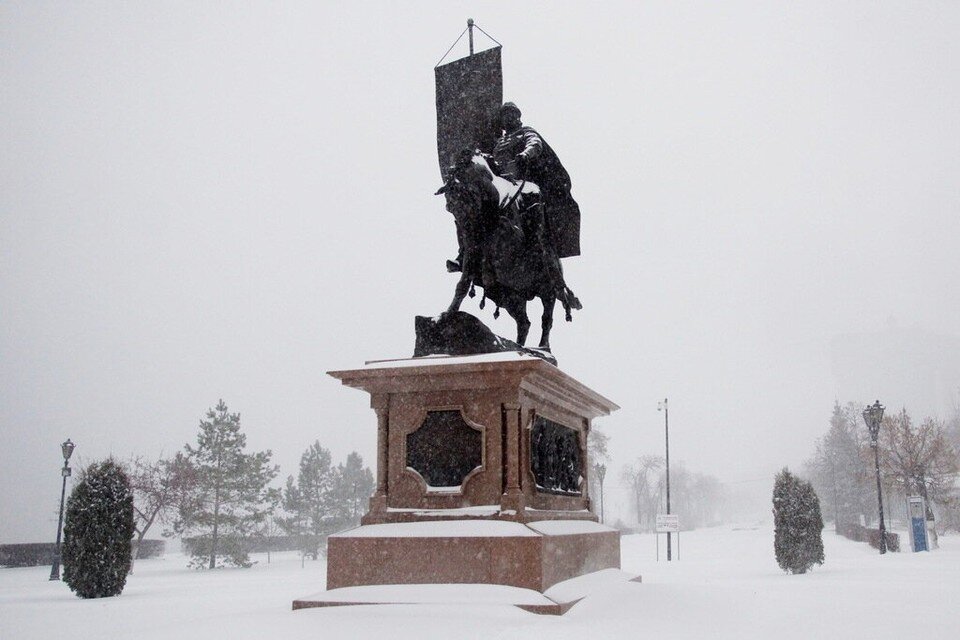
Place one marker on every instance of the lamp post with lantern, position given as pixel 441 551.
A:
pixel 601 471
pixel 67 449
pixel 873 415
pixel 662 406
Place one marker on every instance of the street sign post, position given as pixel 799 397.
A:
pixel 668 523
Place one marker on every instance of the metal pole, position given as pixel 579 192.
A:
pixel 55 569
pixel 883 529
pixel 470 30
pixel 601 500
pixel 601 471
pixel 666 429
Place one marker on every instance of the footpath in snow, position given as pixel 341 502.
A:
pixel 725 585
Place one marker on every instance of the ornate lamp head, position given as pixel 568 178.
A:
pixel 873 415
pixel 601 470
pixel 67 449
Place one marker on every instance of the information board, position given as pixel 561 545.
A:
pixel 668 523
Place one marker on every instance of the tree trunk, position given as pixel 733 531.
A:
pixel 216 519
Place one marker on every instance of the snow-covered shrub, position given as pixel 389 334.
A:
pixel 797 523
pixel 231 550
pixel 98 531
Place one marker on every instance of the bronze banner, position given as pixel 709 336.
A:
pixel 469 94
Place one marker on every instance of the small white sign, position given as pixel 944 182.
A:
pixel 668 523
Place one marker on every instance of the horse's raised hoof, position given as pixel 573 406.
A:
pixel 453 266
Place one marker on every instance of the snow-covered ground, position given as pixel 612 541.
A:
pixel 726 585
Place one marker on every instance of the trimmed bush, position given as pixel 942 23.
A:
pixel 149 549
pixel 34 554
pixel 798 524
pixel 893 540
pixel 859 533
pixel 97 532
pixel 253 544
pixel 853 531
pixel 29 554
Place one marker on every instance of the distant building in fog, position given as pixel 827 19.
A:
pixel 902 367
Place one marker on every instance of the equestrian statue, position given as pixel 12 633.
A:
pixel 515 219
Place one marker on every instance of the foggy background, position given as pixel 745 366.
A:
pixel 203 201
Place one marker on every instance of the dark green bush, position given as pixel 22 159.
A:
pixel 98 531
pixel 797 540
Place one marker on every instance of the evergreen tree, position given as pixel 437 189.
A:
pixel 229 498
pixel 838 470
pixel 98 531
pixel 353 485
pixel 310 501
pixel 294 520
pixel 798 543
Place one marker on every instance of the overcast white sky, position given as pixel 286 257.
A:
pixel 208 200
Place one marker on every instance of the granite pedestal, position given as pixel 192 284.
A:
pixel 482 477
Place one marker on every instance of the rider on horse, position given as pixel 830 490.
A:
pixel 513 231
pixel 522 155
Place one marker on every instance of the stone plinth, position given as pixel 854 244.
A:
pixel 482 478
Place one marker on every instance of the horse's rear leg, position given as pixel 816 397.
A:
pixel 546 322
pixel 516 306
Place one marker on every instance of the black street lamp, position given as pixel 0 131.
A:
pixel 662 406
pixel 601 471
pixel 873 415
pixel 67 449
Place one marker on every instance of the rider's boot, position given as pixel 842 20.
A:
pixel 456 265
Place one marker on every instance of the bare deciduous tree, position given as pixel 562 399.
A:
pixel 640 478
pixel 158 489
pixel 920 460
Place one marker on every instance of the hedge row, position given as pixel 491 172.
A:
pixel 859 533
pixel 35 554
pixel 201 544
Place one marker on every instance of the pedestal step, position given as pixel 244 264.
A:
pixel 533 556
pixel 556 601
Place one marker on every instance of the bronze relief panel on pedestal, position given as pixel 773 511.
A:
pixel 555 457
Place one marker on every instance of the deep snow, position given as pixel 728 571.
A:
pixel 725 585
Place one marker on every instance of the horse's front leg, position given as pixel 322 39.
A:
pixel 463 285
pixel 516 306
pixel 546 322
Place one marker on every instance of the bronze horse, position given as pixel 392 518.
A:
pixel 502 228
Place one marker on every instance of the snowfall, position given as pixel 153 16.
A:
pixel 725 584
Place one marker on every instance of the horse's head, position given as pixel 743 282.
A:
pixel 469 186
